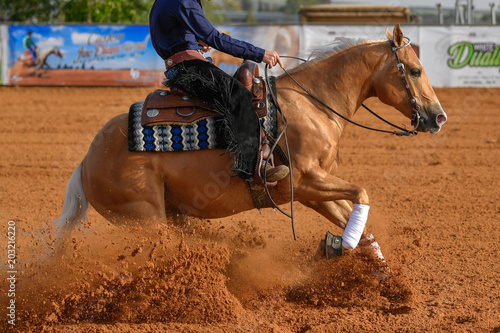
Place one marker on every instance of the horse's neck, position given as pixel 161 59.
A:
pixel 342 80
pixel 45 53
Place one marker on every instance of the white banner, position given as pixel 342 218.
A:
pixel 461 56
pixel 321 36
pixel 453 56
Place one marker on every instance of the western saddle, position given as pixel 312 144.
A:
pixel 176 107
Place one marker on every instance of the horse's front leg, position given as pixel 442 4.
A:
pixel 322 188
pixel 319 185
pixel 338 212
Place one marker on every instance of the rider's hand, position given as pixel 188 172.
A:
pixel 205 47
pixel 272 58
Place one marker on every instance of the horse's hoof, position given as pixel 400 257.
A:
pixel 331 246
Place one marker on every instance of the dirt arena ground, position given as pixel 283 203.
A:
pixel 20 74
pixel 434 211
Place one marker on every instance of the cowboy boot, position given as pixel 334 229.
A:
pixel 275 173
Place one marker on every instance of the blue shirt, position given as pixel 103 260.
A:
pixel 178 25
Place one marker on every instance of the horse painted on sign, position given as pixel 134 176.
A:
pixel 27 58
pixel 142 187
pixel 45 53
pixel 26 65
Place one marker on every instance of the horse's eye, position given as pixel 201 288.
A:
pixel 416 72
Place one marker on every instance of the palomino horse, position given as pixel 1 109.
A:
pixel 45 53
pixel 27 59
pixel 143 187
pixel 25 64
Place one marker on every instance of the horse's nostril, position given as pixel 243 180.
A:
pixel 441 119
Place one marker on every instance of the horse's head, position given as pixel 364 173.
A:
pixel 402 83
pixel 57 52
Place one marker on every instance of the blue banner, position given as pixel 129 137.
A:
pixel 83 55
pixel 116 54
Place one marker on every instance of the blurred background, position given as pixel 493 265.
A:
pixel 107 42
pixel 245 11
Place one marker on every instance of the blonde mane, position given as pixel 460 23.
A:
pixel 339 45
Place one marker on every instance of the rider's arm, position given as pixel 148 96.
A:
pixel 191 14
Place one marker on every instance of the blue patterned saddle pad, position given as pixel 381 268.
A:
pixel 203 134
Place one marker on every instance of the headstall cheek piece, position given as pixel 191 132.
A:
pixel 415 117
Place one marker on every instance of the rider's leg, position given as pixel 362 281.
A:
pixel 242 126
pixel 36 61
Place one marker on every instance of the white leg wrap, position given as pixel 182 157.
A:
pixel 355 226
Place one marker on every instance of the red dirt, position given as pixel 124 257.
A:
pixel 434 212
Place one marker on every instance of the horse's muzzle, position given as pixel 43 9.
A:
pixel 432 121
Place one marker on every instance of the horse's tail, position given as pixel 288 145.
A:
pixel 75 206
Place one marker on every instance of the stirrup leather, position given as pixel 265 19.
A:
pixel 263 155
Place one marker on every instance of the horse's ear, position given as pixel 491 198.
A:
pixel 388 33
pixel 398 36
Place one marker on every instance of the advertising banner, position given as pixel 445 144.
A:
pixel 462 56
pixel 82 55
pixel 117 54
pixel 122 55
pixel 4 49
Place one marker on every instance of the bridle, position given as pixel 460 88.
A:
pixel 415 120
pixel 415 117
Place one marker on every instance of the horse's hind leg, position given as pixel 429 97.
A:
pixel 126 199
pixel 124 187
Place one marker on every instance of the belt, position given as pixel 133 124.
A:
pixel 184 55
